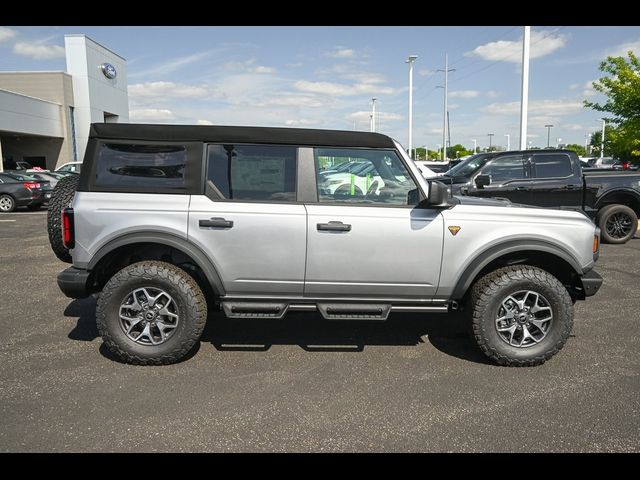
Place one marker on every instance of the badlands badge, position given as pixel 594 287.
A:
pixel 454 230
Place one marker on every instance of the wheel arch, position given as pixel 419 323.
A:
pixel 547 256
pixel 151 246
pixel 622 196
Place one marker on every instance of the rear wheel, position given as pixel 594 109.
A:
pixel 618 223
pixel 7 204
pixel 151 313
pixel 60 198
pixel 522 315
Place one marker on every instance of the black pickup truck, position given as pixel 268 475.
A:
pixel 553 178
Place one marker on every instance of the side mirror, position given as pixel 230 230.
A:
pixel 438 194
pixel 483 181
pixel 412 197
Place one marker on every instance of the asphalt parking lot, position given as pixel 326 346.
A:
pixel 413 383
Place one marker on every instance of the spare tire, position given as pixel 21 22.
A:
pixel 60 198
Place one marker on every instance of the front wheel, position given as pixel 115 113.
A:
pixel 522 315
pixel 7 203
pixel 151 313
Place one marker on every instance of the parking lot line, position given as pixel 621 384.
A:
pixel 7 220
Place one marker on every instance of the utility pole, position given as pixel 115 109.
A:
pixel 587 137
pixel 448 130
pixel 446 92
pixel 410 61
pixel 490 135
pixel 548 127
pixel 508 141
pixel 602 141
pixel 373 114
pixel 475 143
pixel 524 100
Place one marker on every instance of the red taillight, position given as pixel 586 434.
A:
pixel 31 185
pixel 68 228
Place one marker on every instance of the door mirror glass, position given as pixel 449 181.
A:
pixel 483 181
pixel 438 194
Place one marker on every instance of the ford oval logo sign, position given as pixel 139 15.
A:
pixel 108 70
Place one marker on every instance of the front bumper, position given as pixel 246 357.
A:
pixel 74 282
pixel 591 283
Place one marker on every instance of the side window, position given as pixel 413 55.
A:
pixel 253 172
pixel 146 166
pixel 552 165
pixel 507 168
pixel 362 176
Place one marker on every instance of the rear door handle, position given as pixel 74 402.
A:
pixel 522 189
pixel 216 222
pixel 334 226
pixel 570 187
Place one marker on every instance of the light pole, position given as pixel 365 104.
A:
pixel 490 135
pixel 475 144
pixel 410 61
pixel 373 114
pixel 587 139
pixel 524 99
pixel 446 93
pixel 548 127
pixel 508 141
pixel 602 141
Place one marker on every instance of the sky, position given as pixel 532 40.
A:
pixel 326 77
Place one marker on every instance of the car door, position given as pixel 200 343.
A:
pixel 509 176
pixel 373 244
pixel 249 221
pixel 554 182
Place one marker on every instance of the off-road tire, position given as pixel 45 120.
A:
pixel 191 305
pixel 608 211
pixel 486 297
pixel 60 198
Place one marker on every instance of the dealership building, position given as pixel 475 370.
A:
pixel 45 116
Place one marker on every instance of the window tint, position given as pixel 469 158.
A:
pixel 156 166
pixel 505 168
pixel 377 177
pixel 552 165
pixel 253 172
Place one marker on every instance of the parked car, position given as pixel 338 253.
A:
pixel 247 228
pixel 45 183
pixel 19 191
pixel 554 178
pixel 73 167
pixel 432 169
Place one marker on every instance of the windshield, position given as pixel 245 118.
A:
pixel 468 166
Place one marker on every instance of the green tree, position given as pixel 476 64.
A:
pixel 579 149
pixel 457 151
pixel 622 89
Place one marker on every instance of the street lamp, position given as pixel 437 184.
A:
pixel 548 127
pixel 508 141
pixel 475 143
pixel 490 135
pixel 604 122
pixel 410 61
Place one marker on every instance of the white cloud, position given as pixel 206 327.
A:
pixel 573 127
pixel 589 91
pixel 542 43
pixel 151 115
pixel 7 34
pixel 204 122
pixel 622 49
pixel 574 86
pixel 533 135
pixel 559 107
pixel 300 122
pixel 464 94
pixel 365 77
pixel 340 52
pixel 341 89
pixel 38 51
pixel 292 100
pixel 248 66
pixel 493 94
pixel 366 115
pixel 295 64
pixel 172 65
pixel 453 106
pixel 167 90
pixel 425 72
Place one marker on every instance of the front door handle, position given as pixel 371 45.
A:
pixel 216 222
pixel 334 226
pixel 570 187
pixel 521 189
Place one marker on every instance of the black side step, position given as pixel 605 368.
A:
pixel 254 309
pixel 354 311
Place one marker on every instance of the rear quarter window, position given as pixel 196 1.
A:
pixel 141 167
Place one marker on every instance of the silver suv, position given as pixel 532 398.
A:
pixel 171 221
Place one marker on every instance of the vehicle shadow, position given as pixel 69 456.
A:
pixel 449 334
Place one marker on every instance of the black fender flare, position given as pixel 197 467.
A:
pixel 487 256
pixel 616 191
pixel 170 240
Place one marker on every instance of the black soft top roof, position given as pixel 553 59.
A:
pixel 228 134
